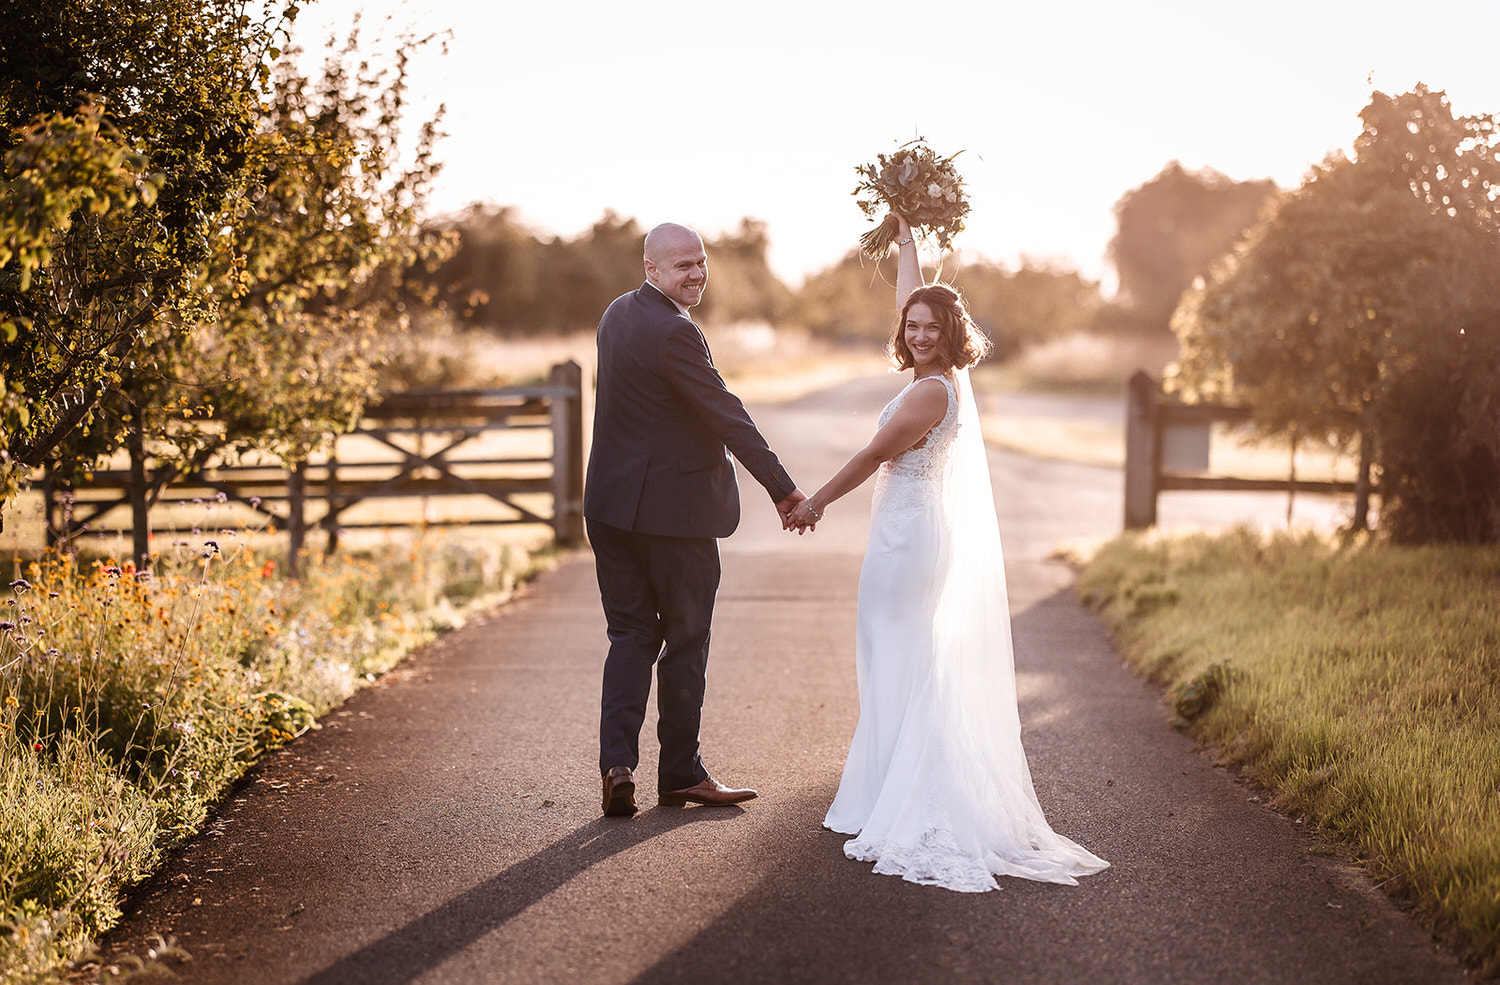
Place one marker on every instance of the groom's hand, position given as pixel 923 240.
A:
pixel 786 506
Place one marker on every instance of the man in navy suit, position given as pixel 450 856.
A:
pixel 659 492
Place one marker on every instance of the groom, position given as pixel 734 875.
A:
pixel 659 492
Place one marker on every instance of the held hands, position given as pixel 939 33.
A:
pixel 804 517
pixel 795 513
pixel 788 506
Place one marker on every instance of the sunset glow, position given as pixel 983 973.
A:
pixel 722 110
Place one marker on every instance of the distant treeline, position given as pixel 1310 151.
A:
pixel 506 278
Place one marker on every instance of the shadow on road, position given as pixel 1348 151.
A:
pixel 422 945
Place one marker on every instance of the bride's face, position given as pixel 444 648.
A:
pixel 922 334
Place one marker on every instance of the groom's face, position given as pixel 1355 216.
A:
pixel 680 271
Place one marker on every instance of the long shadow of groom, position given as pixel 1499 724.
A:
pixel 426 942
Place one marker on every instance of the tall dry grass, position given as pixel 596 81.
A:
pixel 1356 681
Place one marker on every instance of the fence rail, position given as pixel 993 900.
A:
pixel 430 442
pixel 1166 448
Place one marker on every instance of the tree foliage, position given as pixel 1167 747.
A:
pixel 1170 231
pixel 312 278
pixel 267 332
pixel 126 131
pixel 1015 308
pixel 1359 312
pixel 505 278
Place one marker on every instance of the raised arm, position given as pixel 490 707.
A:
pixel 908 270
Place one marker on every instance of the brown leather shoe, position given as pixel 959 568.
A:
pixel 619 792
pixel 710 792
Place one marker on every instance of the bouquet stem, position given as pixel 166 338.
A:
pixel 877 241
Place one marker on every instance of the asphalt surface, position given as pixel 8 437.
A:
pixel 443 826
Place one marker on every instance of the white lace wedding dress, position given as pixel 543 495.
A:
pixel 936 788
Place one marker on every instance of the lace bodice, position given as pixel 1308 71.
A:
pixel 925 462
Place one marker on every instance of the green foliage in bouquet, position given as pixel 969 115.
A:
pixel 914 181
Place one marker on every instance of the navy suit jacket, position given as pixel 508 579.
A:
pixel 664 427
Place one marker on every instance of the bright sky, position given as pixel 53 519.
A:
pixel 703 112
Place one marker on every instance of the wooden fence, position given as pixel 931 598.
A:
pixel 426 438
pixel 1166 448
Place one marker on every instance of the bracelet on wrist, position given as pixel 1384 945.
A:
pixel 903 242
pixel 816 515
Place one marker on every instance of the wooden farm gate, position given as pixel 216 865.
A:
pixel 1166 448
pixel 427 438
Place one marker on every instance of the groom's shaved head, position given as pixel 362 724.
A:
pixel 676 263
pixel 670 237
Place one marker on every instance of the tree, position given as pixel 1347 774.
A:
pixel 308 283
pixel 126 131
pixel 1357 312
pixel 743 288
pixel 1171 230
pixel 1035 303
pixel 1015 308
pixel 504 277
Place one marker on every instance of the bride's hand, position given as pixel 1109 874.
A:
pixel 803 517
pixel 903 228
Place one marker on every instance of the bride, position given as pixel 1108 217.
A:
pixel 936 788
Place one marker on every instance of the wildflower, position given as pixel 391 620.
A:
pixel 213 548
pixel 112 570
pixel 7 626
pixel 37 746
pixel 221 497
pixel 255 501
pixel 20 585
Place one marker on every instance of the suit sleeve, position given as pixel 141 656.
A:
pixel 691 370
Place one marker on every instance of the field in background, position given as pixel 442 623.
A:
pixel 1064 399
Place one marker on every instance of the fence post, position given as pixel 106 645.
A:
pixel 296 518
pixel 1142 451
pixel 567 453
pixel 59 520
pixel 330 521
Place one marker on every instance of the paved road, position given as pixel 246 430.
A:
pixel 443 826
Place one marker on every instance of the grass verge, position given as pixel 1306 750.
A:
pixel 1356 682
pixel 131 701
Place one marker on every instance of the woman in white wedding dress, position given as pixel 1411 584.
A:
pixel 936 788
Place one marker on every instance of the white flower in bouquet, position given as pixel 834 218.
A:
pixel 914 181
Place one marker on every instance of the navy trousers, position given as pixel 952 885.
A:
pixel 658 594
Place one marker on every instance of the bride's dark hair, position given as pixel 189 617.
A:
pixel 961 344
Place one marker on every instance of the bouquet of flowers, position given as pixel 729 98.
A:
pixel 915 182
